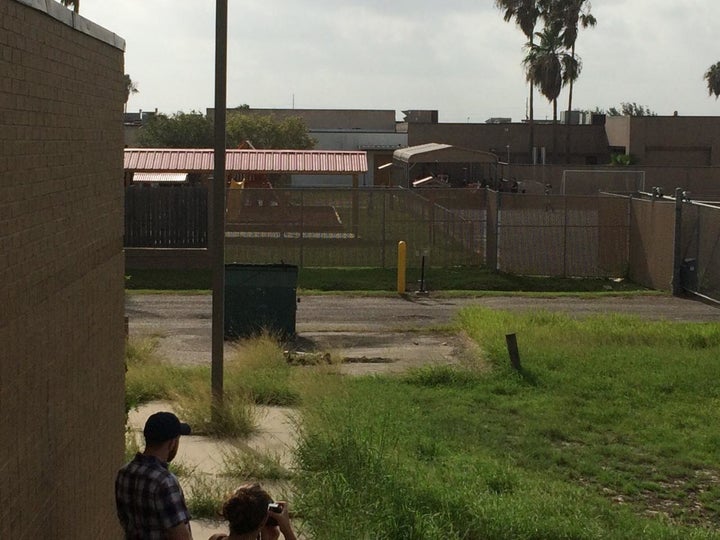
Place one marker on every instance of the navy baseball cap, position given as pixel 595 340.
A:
pixel 163 426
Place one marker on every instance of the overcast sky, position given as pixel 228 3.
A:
pixel 456 56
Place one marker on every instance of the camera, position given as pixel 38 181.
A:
pixel 273 507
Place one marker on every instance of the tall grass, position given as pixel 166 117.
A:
pixel 259 368
pixel 609 431
pixel 149 377
pixel 257 373
pixel 247 463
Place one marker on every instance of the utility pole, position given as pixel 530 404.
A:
pixel 217 252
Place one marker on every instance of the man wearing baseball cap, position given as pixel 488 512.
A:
pixel 150 503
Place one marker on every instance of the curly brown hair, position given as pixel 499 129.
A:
pixel 246 508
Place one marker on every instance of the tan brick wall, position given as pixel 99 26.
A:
pixel 61 275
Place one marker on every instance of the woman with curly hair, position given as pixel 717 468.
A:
pixel 252 515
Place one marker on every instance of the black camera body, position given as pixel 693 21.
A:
pixel 273 507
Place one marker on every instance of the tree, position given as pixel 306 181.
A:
pixel 180 130
pixel 74 3
pixel 195 130
pixel 130 88
pixel 630 109
pixel 525 13
pixel 571 15
pixel 266 131
pixel 550 67
pixel 712 77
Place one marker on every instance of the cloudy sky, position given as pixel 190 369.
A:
pixel 456 56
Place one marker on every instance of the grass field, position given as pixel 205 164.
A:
pixel 609 431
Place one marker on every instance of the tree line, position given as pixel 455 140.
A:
pixel 195 129
pixel 246 130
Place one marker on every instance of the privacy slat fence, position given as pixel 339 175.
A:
pixel 166 216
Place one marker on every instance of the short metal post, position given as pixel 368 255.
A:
pixel 402 261
pixel 512 348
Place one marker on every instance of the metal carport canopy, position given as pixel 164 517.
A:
pixel 443 153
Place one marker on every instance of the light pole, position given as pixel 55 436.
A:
pixel 217 240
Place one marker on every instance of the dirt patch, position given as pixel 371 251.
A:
pixel 382 352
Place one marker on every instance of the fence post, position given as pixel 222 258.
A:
pixel 384 224
pixel 355 205
pixel 498 196
pixel 565 233
pixel 677 288
pixel 401 265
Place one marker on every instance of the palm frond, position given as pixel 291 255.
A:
pixel 712 77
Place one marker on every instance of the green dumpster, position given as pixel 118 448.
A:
pixel 258 298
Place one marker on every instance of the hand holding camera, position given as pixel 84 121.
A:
pixel 273 508
pixel 278 516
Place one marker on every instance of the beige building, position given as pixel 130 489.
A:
pixel 61 273
pixel 673 150
pixel 688 141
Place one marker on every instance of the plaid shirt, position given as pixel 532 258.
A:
pixel 149 499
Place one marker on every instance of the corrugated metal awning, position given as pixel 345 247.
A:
pixel 444 153
pixel 159 177
pixel 406 154
pixel 251 161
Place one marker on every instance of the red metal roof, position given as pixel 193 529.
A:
pixel 253 161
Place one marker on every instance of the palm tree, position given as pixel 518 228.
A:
pixel 130 88
pixel 712 76
pixel 525 13
pixel 74 3
pixel 550 67
pixel 572 14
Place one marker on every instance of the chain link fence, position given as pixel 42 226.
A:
pixel 518 233
pixel 354 227
pixel 555 235
pixel 649 238
pixel 699 271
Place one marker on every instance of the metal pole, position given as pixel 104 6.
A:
pixel 677 288
pixel 401 266
pixel 565 233
pixel 218 208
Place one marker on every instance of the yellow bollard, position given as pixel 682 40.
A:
pixel 402 261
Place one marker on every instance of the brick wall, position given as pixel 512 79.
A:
pixel 61 273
